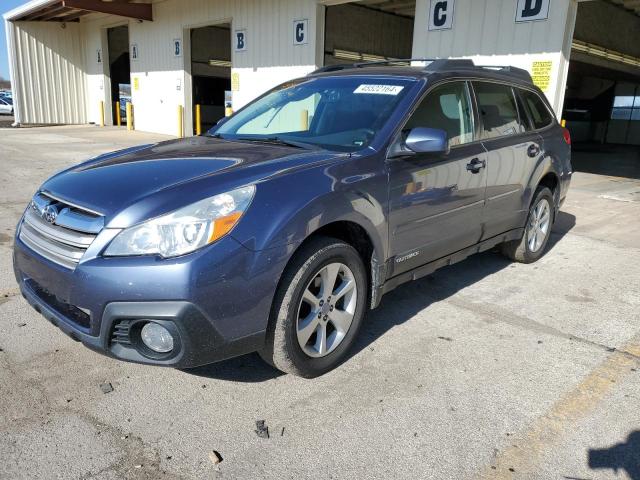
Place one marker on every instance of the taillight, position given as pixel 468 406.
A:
pixel 566 135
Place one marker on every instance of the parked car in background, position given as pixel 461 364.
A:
pixel 6 106
pixel 277 230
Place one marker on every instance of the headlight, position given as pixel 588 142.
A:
pixel 184 230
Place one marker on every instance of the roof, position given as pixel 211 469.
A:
pixel 631 5
pixel 73 10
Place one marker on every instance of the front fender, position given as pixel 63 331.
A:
pixel 288 209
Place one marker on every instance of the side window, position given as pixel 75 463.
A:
pixel 539 112
pixel 448 108
pixel 498 110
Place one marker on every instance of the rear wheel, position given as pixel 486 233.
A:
pixel 318 309
pixel 537 230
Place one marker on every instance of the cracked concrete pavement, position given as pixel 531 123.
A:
pixel 485 369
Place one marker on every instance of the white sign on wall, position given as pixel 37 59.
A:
pixel 177 47
pixel 300 32
pixel 240 40
pixel 441 14
pixel 135 54
pixel 530 10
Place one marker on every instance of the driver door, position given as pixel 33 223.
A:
pixel 436 200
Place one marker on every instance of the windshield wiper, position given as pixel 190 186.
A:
pixel 278 141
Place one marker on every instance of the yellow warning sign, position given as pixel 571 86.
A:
pixel 136 84
pixel 541 74
pixel 235 82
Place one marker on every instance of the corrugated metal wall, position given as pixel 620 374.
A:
pixel 49 69
pixel 163 79
pixel 486 31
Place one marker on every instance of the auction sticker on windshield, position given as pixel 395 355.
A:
pixel 379 89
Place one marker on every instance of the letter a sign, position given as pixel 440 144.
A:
pixel 530 10
pixel 440 14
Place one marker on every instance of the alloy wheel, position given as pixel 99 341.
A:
pixel 539 224
pixel 326 310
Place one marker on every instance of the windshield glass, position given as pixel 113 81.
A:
pixel 336 113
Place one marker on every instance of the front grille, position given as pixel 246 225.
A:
pixel 67 310
pixel 59 231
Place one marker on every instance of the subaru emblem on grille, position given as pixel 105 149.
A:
pixel 50 213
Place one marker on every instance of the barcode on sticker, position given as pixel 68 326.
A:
pixel 379 89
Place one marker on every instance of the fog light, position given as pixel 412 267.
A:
pixel 157 338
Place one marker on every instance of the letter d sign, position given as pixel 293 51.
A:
pixel 530 10
pixel 440 14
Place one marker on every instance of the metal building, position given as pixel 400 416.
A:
pixel 79 61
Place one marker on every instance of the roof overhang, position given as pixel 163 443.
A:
pixel 73 10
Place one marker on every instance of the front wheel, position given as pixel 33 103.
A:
pixel 537 230
pixel 318 309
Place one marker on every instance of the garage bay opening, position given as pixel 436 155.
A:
pixel 368 31
pixel 119 72
pixel 210 73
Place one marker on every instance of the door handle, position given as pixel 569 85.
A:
pixel 475 165
pixel 533 150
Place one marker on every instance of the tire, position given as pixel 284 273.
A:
pixel 297 304
pixel 529 249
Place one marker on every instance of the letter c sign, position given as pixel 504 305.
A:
pixel 300 32
pixel 441 14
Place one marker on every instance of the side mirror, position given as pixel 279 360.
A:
pixel 427 140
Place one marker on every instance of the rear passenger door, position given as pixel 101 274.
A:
pixel 513 151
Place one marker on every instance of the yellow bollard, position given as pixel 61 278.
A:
pixel 198 120
pixel 101 110
pixel 228 110
pixel 304 120
pixel 118 114
pixel 180 126
pixel 129 116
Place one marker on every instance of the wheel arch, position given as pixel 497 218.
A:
pixel 366 243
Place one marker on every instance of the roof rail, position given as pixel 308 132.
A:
pixel 433 65
pixel 373 63
pixel 520 73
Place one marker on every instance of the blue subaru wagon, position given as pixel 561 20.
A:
pixel 282 226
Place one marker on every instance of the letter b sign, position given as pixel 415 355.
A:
pixel 441 14
pixel 530 10
pixel 241 40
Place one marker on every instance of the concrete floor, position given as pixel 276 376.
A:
pixel 486 369
pixel 6 121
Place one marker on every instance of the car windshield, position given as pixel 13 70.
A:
pixel 335 113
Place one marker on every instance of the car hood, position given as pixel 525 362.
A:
pixel 171 174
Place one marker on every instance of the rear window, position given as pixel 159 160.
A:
pixel 540 114
pixel 498 110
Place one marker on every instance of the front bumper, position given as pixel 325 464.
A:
pixel 217 300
